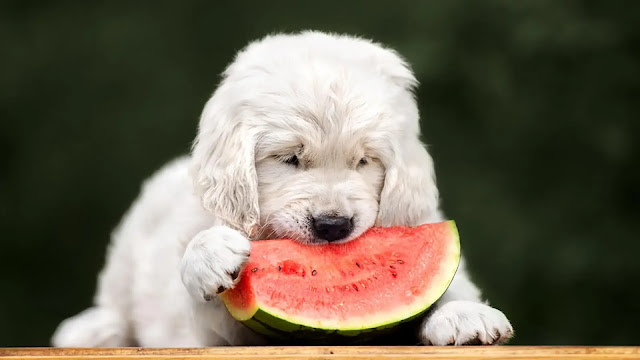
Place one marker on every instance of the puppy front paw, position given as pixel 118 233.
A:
pixel 212 261
pixel 465 323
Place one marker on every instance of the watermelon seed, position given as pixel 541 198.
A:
pixel 400 262
pixel 347 287
pixel 279 268
pixel 362 284
pixel 394 274
pixel 373 262
pixel 393 267
pixel 254 269
pixel 313 273
pixel 392 261
pixel 358 265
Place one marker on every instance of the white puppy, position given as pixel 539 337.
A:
pixel 309 136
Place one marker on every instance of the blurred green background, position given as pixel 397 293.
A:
pixel 530 109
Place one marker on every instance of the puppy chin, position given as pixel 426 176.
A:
pixel 314 240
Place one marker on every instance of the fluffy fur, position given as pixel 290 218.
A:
pixel 302 125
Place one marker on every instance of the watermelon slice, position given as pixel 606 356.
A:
pixel 385 277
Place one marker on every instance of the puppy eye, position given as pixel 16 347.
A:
pixel 293 160
pixel 363 162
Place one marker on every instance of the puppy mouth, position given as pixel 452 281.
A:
pixel 306 232
pixel 310 239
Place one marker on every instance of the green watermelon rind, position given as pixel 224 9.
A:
pixel 263 329
pixel 265 326
pixel 273 323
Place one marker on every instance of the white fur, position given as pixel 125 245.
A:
pixel 466 322
pixel 211 259
pixel 344 106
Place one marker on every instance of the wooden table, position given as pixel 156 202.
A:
pixel 337 352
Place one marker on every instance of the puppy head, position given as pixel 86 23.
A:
pixel 314 137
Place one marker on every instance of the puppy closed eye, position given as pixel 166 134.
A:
pixel 364 161
pixel 291 160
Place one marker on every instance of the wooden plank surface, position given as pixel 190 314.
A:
pixel 329 353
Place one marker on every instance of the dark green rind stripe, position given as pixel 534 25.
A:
pixel 280 330
pixel 263 329
pixel 275 322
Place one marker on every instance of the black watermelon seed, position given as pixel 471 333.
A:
pixel 358 265
pixel 393 267
pixel 279 268
pixel 400 262
pixel 355 287
pixel 254 269
pixel 394 274
pixel 313 273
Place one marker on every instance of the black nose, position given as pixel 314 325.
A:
pixel 332 228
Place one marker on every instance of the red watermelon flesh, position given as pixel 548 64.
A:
pixel 384 277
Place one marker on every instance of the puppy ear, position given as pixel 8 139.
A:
pixel 223 169
pixel 409 195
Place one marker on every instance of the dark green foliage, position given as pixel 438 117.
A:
pixel 530 109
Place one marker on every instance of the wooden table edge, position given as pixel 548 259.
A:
pixel 328 352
